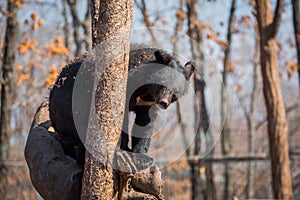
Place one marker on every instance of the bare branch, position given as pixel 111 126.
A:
pixel 229 158
pixel 86 24
pixel 76 24
pixel 147 21
pixel 66 25
pixel 182 130
pixel 277 17
pixel 178 28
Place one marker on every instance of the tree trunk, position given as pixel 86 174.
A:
pixel 66 25
pixel 86 24
pixel 196 41
pixel 296 17
pixel 178 28
pixel 277 123
pixel 113 17
pixel 203 128
pixel 250 116
pixel 7 89
pixel 225 137
pixel 76 25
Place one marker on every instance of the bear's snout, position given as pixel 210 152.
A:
pixel 164 98
pixel 163 104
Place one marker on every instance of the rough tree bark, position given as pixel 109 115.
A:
pixel 225 138
pixel 7 92
pixel 277 123
pixel 111 18
pixel 196 41
pixel 296 17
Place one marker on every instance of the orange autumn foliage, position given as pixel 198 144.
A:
pixel 57 47
pixel 33 16
pixel 33 26
pixel 53 74
pixel 22 78
pixel 26 46
pixel 215 38
pixel 230 67
pixel 40 22
pixel 239 87
pixel 19 68
pixel 19 3
pixel 245 20
pixel 180 14
pixel 203 25
pixel 292 65
pixel 291 68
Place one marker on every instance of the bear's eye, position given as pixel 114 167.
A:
pixel 174 98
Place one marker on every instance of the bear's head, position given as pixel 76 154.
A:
pixel 164 95
pixel 163 80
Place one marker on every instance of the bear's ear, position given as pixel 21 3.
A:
pixel 188 70
pixel 162 57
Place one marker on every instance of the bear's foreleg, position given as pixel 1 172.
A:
pixel 142 129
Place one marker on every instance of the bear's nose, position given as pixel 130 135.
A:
pixel 163 104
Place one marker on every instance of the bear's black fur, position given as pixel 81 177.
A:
pixel 139 101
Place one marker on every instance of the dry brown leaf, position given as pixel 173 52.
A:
pixel 180 14
pixel 53 74
pixel 230 67
pixel 202 170
pixel 34 16
pixel 239 87
pixel 33 26
pixel 57 47
pixel 18 4
pixel 19 68
pixel 292 65
pixel 40 22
